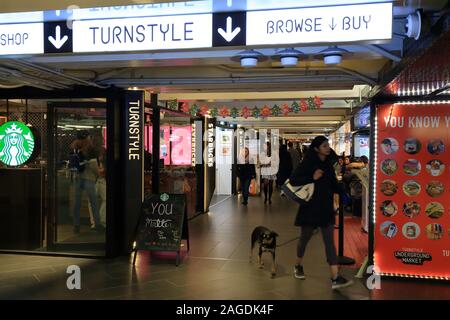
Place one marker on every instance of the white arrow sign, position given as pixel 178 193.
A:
pixel 58 42
pixel 229 34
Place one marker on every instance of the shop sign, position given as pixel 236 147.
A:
pixel 324 24
pixel 134 120
pixel 412 224
pixel 24 38
pixel 16 143
pixel 147 33
pixel 193 145
pixel 210 147
pixel 149 30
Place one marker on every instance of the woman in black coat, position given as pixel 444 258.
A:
pixel 246 172
pixel 285 169
pixel 317 168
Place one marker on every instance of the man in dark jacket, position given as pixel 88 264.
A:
pixel 317 168
pixel 246 172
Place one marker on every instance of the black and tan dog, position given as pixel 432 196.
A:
pixel 267 240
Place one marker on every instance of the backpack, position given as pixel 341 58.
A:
pixel 77 162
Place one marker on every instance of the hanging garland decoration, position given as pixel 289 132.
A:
pixel 295 107
pixel 275 111
pixel 245 113
pixel 224 112
pixel 311 103
pixel 203 110
pixel 255 112
pixel 194 110
pixel 185 107
pixel 265 112
pixel 234 113
pixel 318 102
pixel 285 109
pixel 303 105
pixel 213 112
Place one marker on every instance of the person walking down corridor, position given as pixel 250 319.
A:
pixel 246 172
pixel 285 170
pixel 269 162
pixel 295 156
pixel 317 168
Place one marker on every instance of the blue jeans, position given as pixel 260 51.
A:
pixel 245 188
pixel 89 186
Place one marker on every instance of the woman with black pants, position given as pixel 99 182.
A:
pixel 317 168
pixel 246 173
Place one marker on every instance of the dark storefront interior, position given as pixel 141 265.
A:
pixel 41 197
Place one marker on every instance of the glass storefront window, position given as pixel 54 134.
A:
pixel 56 201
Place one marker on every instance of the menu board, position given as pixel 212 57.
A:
pixel 162 222
pixel 412 229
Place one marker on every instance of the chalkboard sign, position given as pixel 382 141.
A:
pixel 162 222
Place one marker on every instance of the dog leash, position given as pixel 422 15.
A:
pixel 284 243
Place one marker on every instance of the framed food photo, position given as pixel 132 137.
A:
pixel 411 232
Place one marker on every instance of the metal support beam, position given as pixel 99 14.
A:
pixel 385 53
pixel 26 64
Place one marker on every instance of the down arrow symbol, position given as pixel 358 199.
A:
pixel 333 25
pixel 230 34
pixel 58 42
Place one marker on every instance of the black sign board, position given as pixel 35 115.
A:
pixel 229 29
pixel 57 37
pixel 133 160
pixel 163 223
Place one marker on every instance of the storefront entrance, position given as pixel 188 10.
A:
pixel 77 177
pixel 66 198
pixel 224 160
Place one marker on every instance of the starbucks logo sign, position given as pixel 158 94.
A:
pixel 16 143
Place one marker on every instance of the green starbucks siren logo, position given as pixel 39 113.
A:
pixel 16 143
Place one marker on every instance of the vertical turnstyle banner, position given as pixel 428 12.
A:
pixel 133 154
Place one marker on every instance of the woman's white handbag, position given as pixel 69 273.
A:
pixel 300 194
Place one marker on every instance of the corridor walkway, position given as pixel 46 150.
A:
pixel 217 266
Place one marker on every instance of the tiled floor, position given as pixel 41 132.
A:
pixel 217 267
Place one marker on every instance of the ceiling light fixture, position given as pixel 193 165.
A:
pixel 413 25
pixel 289 57
pixel 249 58
pixel 333 55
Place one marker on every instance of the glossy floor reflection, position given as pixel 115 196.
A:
pixel 217 266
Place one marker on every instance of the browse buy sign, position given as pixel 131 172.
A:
pixel 319 25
